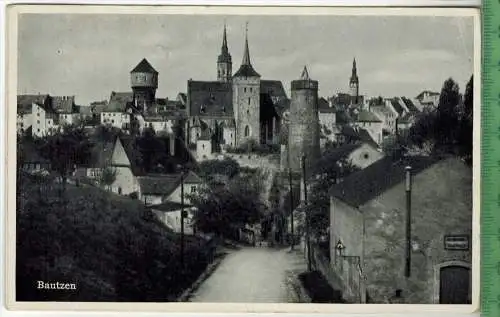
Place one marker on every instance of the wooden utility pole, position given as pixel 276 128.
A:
pixel 308 229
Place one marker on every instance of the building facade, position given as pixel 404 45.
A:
pixel 368 215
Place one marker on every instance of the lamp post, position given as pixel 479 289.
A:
pixel 308 233
pixel 408 248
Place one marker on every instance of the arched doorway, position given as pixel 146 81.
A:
pixel 453 283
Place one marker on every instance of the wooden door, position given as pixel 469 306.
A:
pixel 454 285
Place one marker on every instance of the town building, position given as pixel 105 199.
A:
pixel 119 157
pixel 45 114
pixel 428 99
pixel 371 123
pixel 372 253
pixel 236 108
pixel 169 213
pixel 360 155
pixel 157 189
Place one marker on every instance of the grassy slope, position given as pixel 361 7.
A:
pixel 106 244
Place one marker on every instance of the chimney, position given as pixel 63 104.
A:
pixel 408 220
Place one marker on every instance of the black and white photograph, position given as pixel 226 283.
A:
pixel 250 156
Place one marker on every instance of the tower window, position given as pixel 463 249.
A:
pixel 247 131
pixel 248 112
pixel 251 89
pixel 245 89
pixel 248 100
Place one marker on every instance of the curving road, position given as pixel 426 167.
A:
pixel 251 275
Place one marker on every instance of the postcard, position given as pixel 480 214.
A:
pixel 243 159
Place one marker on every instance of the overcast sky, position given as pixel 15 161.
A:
pixel 91 55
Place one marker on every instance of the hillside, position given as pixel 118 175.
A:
pixel 109 245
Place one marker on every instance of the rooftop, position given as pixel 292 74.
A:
pixel 367 184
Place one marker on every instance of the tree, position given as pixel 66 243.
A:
pixel 447 116
pixel 221 209
pixel 107 177
pixel 152 149
pixel 466 122
pixel 227 167
pixel 65 150
pixel 328 172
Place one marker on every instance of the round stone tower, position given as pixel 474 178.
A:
pixel 144 82
pixel 303 131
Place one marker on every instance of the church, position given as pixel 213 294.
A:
pixel 236 108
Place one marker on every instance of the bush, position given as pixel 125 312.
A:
pixel 318 288
pixel 103 242
pixel 253 147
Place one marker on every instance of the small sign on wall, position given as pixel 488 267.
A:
pixel 456 242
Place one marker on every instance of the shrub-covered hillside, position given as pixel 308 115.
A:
pixel 108 245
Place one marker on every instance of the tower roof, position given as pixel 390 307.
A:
pixel 144 67
pixel 224 54
pixel 354 75
pixel 246 69
pixel 305 74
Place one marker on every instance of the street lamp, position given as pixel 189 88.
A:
pixel 340 247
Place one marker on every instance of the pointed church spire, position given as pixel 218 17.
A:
pixel 224 40
pixel 305 74
pixel 246 54
pixel 224 56
pixel 354 75
pixel 246 69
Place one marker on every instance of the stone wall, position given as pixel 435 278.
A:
pixel 441 205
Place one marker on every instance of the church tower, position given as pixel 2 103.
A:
pixel 354 84
pixel 246 100
pixel 224 62
pixel 144 82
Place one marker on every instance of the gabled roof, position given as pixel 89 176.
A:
pixel 365 136
pixel 246 71
pixel 431 93
pixel 335 154
pixel 324 106
pixel 170 206
pixel 159 185
pixel 144 67
pixel 367 116
pixel 395 104
pixel 210 98
pixel 63 104
pixel 101 154
pixel 119 102
pixel 192 178
pixel 25 102
pixel 410 105
pixel 367 184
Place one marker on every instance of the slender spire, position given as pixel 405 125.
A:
pixel 305 74
pixel 224 40
pixel 354 76
pixel 246 69
pixel 224 56
pixel 246 54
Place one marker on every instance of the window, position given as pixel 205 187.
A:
pixel 248 100
pixel 247 131
pixel 245 89
pixel 38 114
pixel 193 189
pixel 37 121
pixel 250 89
pixel 248 112
pixel 119 190
pixel 112 121
pixel 203 146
